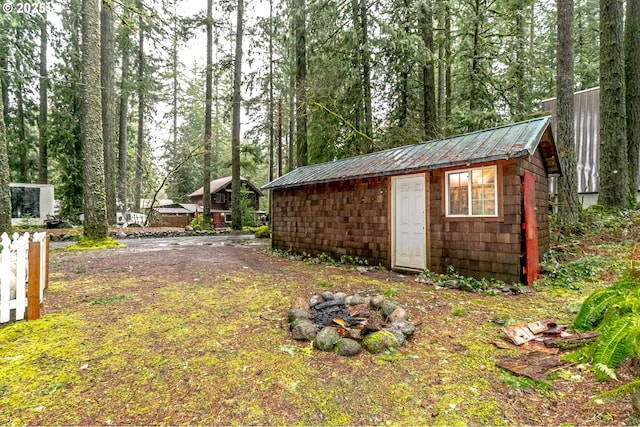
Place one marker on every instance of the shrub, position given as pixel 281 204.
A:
pixel 263 232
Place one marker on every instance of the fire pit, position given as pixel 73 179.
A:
pixel 345 324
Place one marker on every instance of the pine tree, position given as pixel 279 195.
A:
pixel 568 205
pixel 5 192
pixel 236 200
pixel 614 180
pixel 632 76
pixel 95 213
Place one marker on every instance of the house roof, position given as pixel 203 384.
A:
pixel 220 183
pixel 500 143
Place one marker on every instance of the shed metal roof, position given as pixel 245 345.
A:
pixel 500 143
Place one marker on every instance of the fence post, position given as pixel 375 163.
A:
pixel 33 293
pixel 5 279
pixel 21 252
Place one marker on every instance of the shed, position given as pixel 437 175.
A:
pixel 478 202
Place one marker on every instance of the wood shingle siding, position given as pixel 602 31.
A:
pixel 344 218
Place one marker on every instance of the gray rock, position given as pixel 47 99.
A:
pixel 376 301
pixel 304 330
pixel 348 300
pixel 398 315
pixel 327 296
pixel 357 299
pixel 397 333
pixel 348 347
pixel 315 300
pixel 339 296
pixel 379 342
pixel 388 307
pixel 326 339
pixel 355 334
pixel 406 327
pixel 296 313
pixel 451 284
pixel 361 270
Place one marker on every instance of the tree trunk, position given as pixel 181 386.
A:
pixel 236 198
pixel 23 148
pixel 614 180
pixel 279 137
pixel 4 79
pixel 108 107
pixel 95 215
pixel 141 100
pixel 568 205
pixel 206 176
pixel 365 58
pixel 301 81
pixel 447 62
pixel 428 74
pixel 123 121
pixel 5 191
pixel 632 76
pixel 43 159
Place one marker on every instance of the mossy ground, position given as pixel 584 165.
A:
pixel 198 335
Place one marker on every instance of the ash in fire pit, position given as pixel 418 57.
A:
pixel 346 323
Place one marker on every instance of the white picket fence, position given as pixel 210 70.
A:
pixel 23 275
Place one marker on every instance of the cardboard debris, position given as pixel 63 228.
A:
pixel 533 365
pixel 519 333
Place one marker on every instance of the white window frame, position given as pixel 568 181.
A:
pixel 469 193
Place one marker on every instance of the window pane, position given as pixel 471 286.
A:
pixel 458 193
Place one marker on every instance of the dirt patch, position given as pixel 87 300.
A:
pixel 197 334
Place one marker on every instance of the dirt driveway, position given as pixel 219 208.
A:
pixel 193 331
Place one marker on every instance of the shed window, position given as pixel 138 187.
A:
pixel 472 192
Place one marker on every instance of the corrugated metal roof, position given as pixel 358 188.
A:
pixel 218 184
pixel 501 143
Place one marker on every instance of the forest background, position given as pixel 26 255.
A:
pixel 321 80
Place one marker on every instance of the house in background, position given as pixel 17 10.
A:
pixel 221 200
pixel 587 140
pixel 173 215
pixel 478 202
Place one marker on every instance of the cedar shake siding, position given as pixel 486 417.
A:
pixel 354 206
pixel 338 218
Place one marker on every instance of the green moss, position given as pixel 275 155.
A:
pixel 86 244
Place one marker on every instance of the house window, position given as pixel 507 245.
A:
pixel 472 192
pixel 219 198
pixel 227 218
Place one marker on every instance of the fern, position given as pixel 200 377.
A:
pixel 613 346
pixel 594 307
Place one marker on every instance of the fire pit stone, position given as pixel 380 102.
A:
pixel 340 322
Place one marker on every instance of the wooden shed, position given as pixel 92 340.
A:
pixel 478 202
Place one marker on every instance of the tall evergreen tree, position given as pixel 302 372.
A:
pixel 300 19
pixel 236 198
pixel 206 167
pixel 632 75
pixel 123 114
pixel 614 180
pixel 568 205
pixel 43 155
pixel 5 191
pixel 107 49
pixel 95 211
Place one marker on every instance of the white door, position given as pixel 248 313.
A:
pixel 409 234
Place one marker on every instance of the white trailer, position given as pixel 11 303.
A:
pixel 31 203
